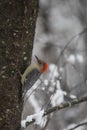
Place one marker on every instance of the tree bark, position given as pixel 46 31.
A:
pixel 17 26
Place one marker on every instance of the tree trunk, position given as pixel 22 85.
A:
pixel 17 25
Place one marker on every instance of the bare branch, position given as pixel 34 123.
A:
pixel 81 124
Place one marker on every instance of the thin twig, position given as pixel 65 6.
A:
pixel 81 124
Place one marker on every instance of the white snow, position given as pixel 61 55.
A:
pixel 46 82
pixel 37 117
pixel 23 124
pixel 71 59
pixel 58 85
pixel 51 89
pixel 79 58
pixel 73 96
pixel 53 83
pixel 53 71
pixel 58 97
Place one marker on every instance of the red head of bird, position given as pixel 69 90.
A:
pixel 42 65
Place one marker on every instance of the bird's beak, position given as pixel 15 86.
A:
pixel 38 60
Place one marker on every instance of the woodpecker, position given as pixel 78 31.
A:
pixel 32 73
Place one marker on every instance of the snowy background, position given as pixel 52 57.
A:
pixel 61 42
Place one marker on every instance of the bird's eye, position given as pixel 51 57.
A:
pixel 40 63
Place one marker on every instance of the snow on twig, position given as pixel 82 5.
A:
pixel 38 116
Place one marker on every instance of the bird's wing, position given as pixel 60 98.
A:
pixel 31 78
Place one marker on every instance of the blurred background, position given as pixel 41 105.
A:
pixel 60 40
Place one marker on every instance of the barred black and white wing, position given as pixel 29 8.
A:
pixel 31 78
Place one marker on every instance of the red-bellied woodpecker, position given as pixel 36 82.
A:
pixel 33 72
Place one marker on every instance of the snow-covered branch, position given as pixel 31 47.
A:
pixel 35 118
pixel 65 105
